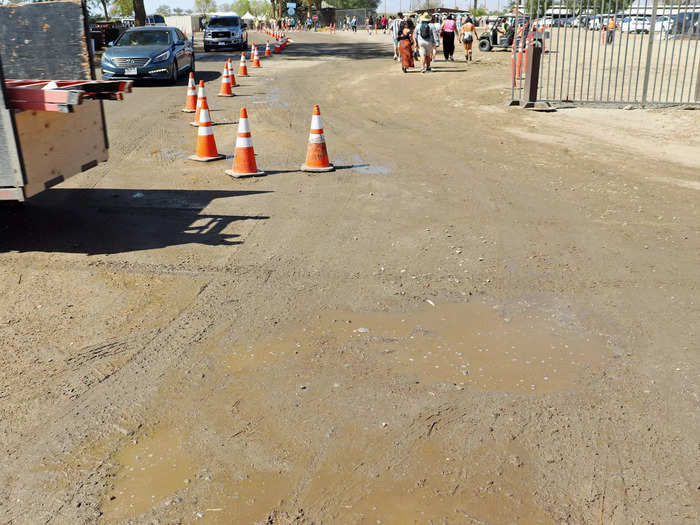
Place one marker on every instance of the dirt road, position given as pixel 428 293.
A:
pixel 483 316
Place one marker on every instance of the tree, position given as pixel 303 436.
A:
pixel 241 6
pixel 178 11
pixel 100 3
pixel 122 8
pixel 366 4
pixel 163 10
pixel 204 6
pixel 139 13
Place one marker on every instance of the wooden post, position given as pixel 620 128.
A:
pixel 532 77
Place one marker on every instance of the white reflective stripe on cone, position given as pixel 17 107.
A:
pixel 226 80
pixel 204 116
pixel 316 122
pixel 191 92
pixel 316 138
pixel 204 131
pixel 244 142
pixel 243 126
pixel 200 93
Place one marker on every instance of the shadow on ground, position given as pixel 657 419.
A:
pixel 107 221
pixel 350 50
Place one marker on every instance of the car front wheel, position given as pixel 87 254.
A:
pixel 174 73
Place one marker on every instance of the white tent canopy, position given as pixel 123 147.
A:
pixel 248 16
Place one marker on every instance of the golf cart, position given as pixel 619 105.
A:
pixel 500 33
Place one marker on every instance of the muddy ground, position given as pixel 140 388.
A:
pixel 483 316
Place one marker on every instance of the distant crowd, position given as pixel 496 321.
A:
pixel 421 38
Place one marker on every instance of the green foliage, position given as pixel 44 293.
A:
pixel 240 6
pixel 99 8
pixel 204 6
pixel 357 4
pixel 122 8
pixel 178 11
pixel 163 10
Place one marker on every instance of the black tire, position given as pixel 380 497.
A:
pixel 484 45
pixel 192 66
pixel 206 49
pixel 175 73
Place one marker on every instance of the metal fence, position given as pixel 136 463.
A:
pixel 341 15
pixel 609 52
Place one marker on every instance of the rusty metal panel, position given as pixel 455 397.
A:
pixel 11 176
pixel 45 40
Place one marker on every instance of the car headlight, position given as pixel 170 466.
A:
pixel 207 34
pixel 163 56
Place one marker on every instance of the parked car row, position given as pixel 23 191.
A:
pixel 687 23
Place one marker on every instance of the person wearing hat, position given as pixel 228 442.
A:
pixel 427 39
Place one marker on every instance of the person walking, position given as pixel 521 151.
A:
pixel 435 24
pixel 427 39
pixel 396 27
pixel 448 30
pixel 353 24
pixel 406 43
pixel 467 35
pixel 383 23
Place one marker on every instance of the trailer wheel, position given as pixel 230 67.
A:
pixel 484 45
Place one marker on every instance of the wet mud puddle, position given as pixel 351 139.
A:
pixel 151 468
pixel 465 346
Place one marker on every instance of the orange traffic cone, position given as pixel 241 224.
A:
pixel 316 154
pixel 256 57
pixel 244 159
pixel 225 90
pixel 230 73
pixel 243 68
pixel 206 146
pixel 191 100
pixel 267 49
pixel 201 96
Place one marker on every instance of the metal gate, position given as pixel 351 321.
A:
pixel 609 51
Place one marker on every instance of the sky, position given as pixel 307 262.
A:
pixel 392 6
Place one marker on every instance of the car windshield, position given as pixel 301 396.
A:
pixel 144 38
pixel 225 21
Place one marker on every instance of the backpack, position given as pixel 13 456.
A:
pixel 425 31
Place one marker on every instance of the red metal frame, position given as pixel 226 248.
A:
pixel 62 95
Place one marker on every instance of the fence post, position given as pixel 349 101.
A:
pixel 528 97
pixel 697 85
pixel 650 48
